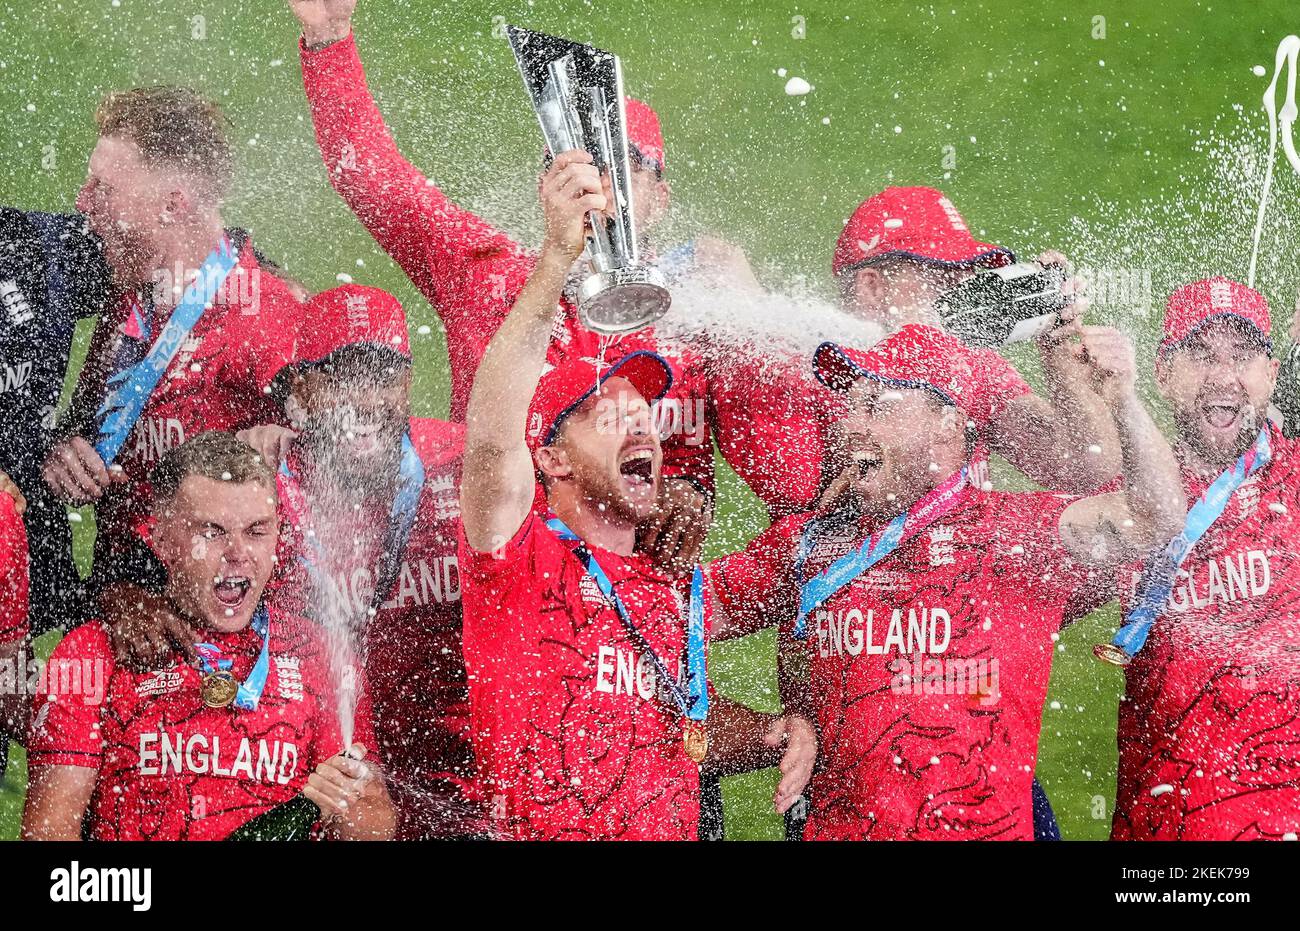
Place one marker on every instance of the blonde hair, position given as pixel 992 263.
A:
pixel 174 126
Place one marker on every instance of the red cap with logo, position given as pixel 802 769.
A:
pixel 644 133
pixel 917 356
pixel 1193 305
pixel 351 315
pixel 565 388
pixel 918 223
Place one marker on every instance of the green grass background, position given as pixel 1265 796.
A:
pixel 1139 148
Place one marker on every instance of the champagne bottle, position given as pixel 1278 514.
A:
pixel 290 821
pixel 1003 305
pixel 1286 396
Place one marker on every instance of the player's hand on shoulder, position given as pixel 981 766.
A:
pixel 674 534
pixel 271 441
pixel 143 628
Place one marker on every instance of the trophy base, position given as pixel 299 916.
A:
pixel 1109 653
pixel 621 300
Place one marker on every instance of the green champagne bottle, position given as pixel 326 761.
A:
pixel 290 821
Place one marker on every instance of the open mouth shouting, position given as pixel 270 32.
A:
pixel 637 467
pixel 1223 414
pixel 231 592
pixel 868 463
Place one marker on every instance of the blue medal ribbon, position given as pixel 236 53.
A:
pixel 817 590
pixel 1161 573
pixel 129 389
pixel 693 701
pixel 250 690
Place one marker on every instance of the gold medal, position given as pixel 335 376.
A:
pixel 219 689
pixel 696 741
pixel 1109 653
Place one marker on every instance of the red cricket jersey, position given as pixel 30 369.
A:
pixel 1209 728
pixel 217 381
pixel 576 738
pixel 928 672
pixel 773 422
pixel 13 572
pixel 170 768
pixel 413 658
pixel 470 271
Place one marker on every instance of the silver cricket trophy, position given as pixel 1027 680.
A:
pixel 577 92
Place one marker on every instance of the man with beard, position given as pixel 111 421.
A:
pixel 583 724
pixel 187 753
pixel 901 250
pixel 925 604
pixel 371 504
pixel 471 272
pixel 1208 725
pixel 199 333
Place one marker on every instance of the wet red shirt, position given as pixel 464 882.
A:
pixel 1209 728
pixel 170 768
pixel 13 572
pixel 929 671
pixel 574 737
pixel 217 381
pixel 773 420
pixel 412 644
pixel 470 271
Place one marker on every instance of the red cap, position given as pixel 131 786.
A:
pixel 917 356
pixel 350 315
pixel 564 388
pixel 1193 305
pixel 643 132
pixel 919 223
